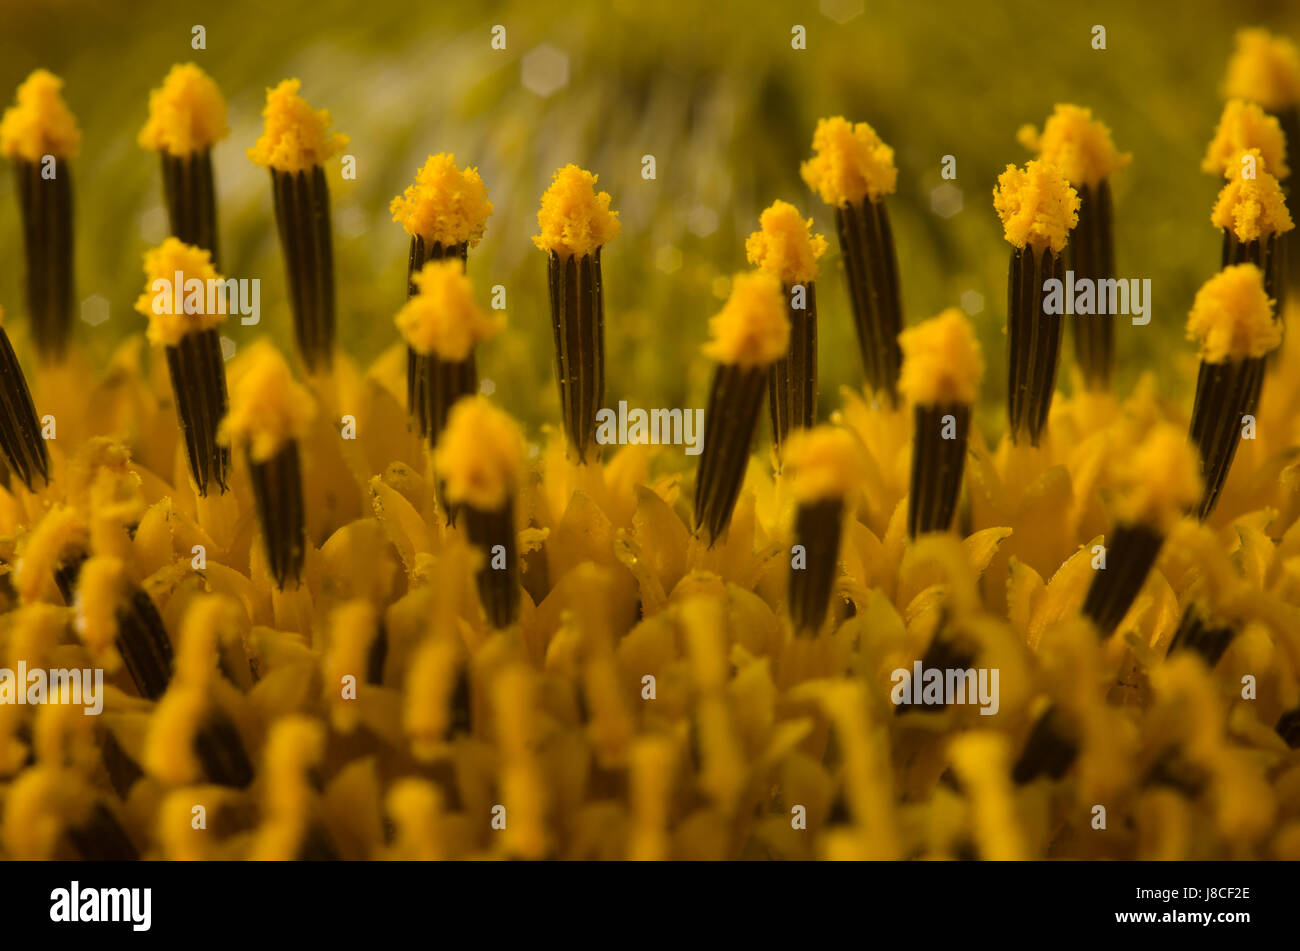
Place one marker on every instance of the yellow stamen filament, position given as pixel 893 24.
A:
pixel 574 218
pixel 296 137
pixel 40 123
pixel 442 317
pixel 752 329
pixel 480 454
pixel 445 205
pixel 187 113
pixel 169 269
pixel 942 361
pixel 1037 206
pixel 785 245
pixel 1232 316
pixel 267 407
pixel 1076 143
pixel 851 163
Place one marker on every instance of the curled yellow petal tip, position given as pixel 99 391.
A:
pixel 40 122
pixel 1038 207
pixel 445 205
pixel 1232 316
pixel 267 406
pixel 851 163
pixel 823 463
pixel 187 113
pixel 1244 126
pixel 752 328
pixel 442 317
pixel 480 454
pixel 942 361
pixel 295 137
pixel 575 219
pixel 202 304
pixel 1265 69
pixel 1252 208
pixel 1076 143
pixel 785 245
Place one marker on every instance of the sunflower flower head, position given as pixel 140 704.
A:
pixel 187 113
pixel 851 163
pixel 1264 69
pixel 442 317
pixel 169 269
pixel 1244 126
pixel 40 123
pixel 267 407
pixel 445 205
pixel 1232 316
pixel 1037 205
pixel 480 454
pixel 942 361
pixel 1076 143
pixel 575 219
pixel 752 328
pixel 785 245
pixel 296 136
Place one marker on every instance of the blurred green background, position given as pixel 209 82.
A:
pixel 715 92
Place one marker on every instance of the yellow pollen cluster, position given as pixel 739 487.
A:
pixel 575 219
pixel 40 123
pixel 442 317
pixel 1252 208
pixel 752 329
pixel 1158 480
pixel 1037 206
pixel 480 454
pixel 186 114
pixel 168 270
pixel 823 463
pixel 1244 126
pixel 942 361
pixel 267 407
pixel 1076 143
pixel 296 137
pixel 1232 316
pixel 785 245
pixel 851 163
pixel 445 205
pixel 1264 69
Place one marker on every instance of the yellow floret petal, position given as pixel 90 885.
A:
pixel 442 317
pixel 480 454
pixel 752 329
pixel 823 463
pixel 1244 126
pixel 40 122
pixel 100 589
pixel 942 361
pixel 1038 207
pixel 187 113
pixel 785 245
pixel 295 137
pixel 1232 316
pixel 267 406
pixel 851 163
pixel 1079 145
pixel 445 205
pixel 1264 69
pixel 202 302
pixel 575 219
pixel 1157 480
pixel 1251 208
